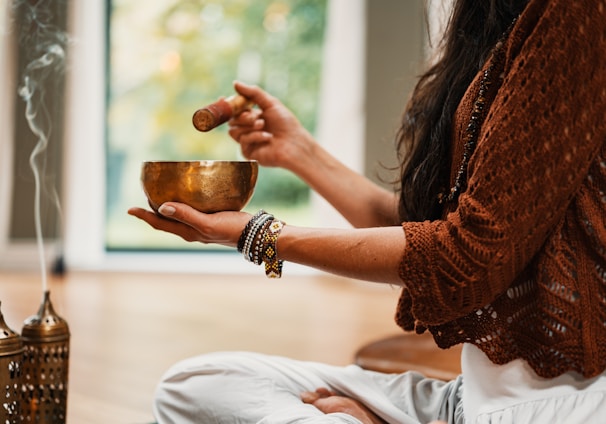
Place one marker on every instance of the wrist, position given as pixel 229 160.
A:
pixel 305 157
pixel 258 242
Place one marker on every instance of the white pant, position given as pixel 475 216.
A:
pixel 243 388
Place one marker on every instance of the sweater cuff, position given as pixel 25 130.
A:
pixel 420 303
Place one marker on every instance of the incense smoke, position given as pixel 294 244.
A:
pixel 44 46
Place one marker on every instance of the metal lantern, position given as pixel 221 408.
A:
pixel 11 357
pixel 45 366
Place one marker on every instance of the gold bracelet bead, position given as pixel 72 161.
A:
pixel 273 265
pixel 256 251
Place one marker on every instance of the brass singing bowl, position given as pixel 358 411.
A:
pixel 206 185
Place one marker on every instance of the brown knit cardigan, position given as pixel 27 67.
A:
pixel 518 266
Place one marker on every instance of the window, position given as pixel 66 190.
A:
pixel 359 98
pixel 167 59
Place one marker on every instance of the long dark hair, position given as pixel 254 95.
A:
pixel 424 137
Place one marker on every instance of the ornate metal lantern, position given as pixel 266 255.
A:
pixel 45 366
pixel 11 360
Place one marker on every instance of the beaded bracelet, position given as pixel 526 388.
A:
pixel 254 232
pixel 256 253
pixel 273 265
pixel 247 228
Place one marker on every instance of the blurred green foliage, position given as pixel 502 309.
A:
pixel 168 58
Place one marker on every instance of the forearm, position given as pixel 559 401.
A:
pixel 273 136
pixel 362 202
pixel 371 254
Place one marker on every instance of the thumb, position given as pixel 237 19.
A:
pixel 167 210
pixel 179 212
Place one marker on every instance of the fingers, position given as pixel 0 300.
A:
pixel 329 402
pixel 312 397
pixel 252 139
pixel 192 225
pixel 309 397
pixel 249 119
pixel 169 210
pixel 145 215
pixel 247 129
pixel 157 221
pixel 138 212
pixel 324 392
pixel 248 135
pixel 182 213
pixel 263 99
pixel 259 151
pixel 163 223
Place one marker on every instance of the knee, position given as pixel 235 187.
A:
pixel 200 388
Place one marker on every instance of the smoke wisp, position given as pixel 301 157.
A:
pixel 42 47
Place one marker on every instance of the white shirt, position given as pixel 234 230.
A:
pixel 491 389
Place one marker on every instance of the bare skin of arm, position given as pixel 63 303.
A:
pixel 372 252
pixel 274 137
pixel 329 403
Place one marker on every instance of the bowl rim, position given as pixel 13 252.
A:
pixel 200 161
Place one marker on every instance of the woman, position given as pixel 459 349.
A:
pixel 496 233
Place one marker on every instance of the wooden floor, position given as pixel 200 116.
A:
pixel 127 329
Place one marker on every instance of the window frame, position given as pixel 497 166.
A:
pixel 86 108
pixel 83 241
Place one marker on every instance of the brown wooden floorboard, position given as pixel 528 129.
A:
pixel 128 328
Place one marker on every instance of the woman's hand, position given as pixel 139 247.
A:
pixel 271 135
pixel 191 225
pixel 329 402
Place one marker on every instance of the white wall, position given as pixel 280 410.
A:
pixel 85 137
pixel 6 121
pixel 342 118
pixel 342 100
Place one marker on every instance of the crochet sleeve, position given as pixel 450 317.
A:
pixel 544 128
